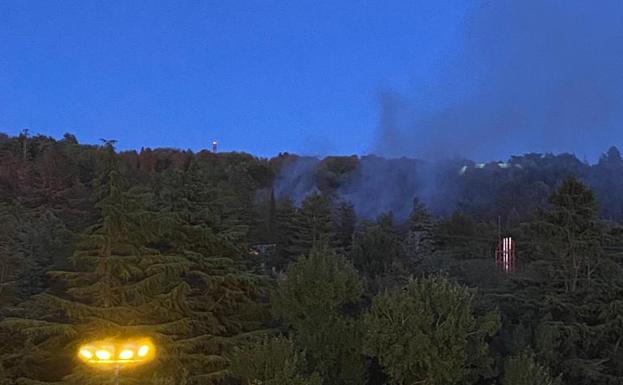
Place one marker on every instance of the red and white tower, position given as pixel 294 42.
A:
pixel 505 255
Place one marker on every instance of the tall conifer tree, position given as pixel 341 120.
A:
pixel 313 225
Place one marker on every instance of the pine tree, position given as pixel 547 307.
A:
pixel 313 225
pixel 565 252
pixel 524 370
pixel 285 219
pixel 570 290
pixel 272 361
pixel 211 218
pixel 29 246
pixel 345 221
pixel 226 301
pixel 429 333
pixel 573 233
pixel 377 254
pixel 53 185
pixel 313 300
pixel 419 241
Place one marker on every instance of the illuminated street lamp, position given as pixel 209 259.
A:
pixel 115 355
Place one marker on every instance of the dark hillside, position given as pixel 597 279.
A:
pixel 298 270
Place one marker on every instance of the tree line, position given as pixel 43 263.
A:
pixel 236 285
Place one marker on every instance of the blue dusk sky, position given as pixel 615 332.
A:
pixel 483 79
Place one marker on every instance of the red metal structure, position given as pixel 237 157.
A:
pixel 505 255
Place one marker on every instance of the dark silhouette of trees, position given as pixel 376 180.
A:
pixel 196 248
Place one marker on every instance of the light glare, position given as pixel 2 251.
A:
pixel 103 354
pixel 86 353
pixel 126 354
pixel 111 352
pixel 143 350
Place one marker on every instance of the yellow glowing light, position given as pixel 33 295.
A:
pixel 86 353
pixel 126 354
pixel 103 354
pixel 112 353
pixel 143 351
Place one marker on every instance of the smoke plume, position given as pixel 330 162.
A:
pixel 532 76
pixel 296 179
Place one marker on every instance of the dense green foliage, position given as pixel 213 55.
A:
pixel 313 299
pixel 428 333
pixel 271 361
pixel 524 370
pixel 238 280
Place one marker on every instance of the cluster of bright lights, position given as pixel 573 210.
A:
pixel 107 352
pixel 503 165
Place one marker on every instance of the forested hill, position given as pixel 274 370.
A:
pixel 296 270
pixel 509 188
